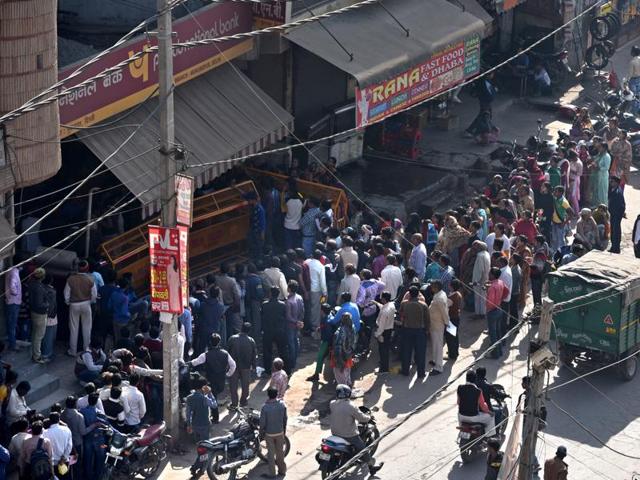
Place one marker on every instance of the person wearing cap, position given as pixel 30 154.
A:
pixel 39 306
pixel 617 209
pixel 79 293
pixel 494 459
pixel 556 468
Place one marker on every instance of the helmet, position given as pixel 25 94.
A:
pixel 343 391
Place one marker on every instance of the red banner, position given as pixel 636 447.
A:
pixel 133 84
pixel 184 264
pixel 184 200
pixel 443 70
pixel 165 258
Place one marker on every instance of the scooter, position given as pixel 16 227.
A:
pixel 336 451
pixel 469 438
pixel 137 454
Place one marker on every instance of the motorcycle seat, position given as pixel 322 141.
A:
pixel 472 425
pixel 336 440
pixel 222 439
pixel 150 434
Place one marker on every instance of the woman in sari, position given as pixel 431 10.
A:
pixel 575 174
pixel 452 237
pixel 344 346
pixel 599 181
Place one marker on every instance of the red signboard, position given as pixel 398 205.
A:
pixel 184 264
pixel 137 81
pixel 184 199
pixel 164 256
pixel 443 70
pixel 270 14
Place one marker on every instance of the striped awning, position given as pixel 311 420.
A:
pixel 220 117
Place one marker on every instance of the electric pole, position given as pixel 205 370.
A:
pixel 541 360
pixel 168 171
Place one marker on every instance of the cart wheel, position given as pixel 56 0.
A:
pixel 628 368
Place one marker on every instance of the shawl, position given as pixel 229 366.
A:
pixel 452 236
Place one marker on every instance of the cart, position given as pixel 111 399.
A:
pixel 597 307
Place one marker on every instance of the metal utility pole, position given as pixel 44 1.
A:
pixel 168 171
pixel 541 360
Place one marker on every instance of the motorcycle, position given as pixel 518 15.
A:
pixel 135 454
pixel 335 451
pixel 470 433
pixel 221 457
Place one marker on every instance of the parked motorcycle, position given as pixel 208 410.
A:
pixel 470 433
pixel 221 457
pixel 134 454
pixel 336 451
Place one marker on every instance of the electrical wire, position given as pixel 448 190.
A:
pixel 85 180
pixel 34 105
pixel 592 434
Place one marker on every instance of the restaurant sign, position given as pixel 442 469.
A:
pixel 270 13
pixel 138 80
pixel 443 70
pixel 165 257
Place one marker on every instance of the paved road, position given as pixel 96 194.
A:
pixel 424 448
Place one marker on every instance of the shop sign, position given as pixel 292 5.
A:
pixel 184 264
pixel 443 70
pixel 270 13
pixel 184 200
pixel 164 259
pixel 138 80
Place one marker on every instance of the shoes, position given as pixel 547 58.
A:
pixel 373 469
pixel 39 360
pixel 435 372
pixel 422 375
pixel 71 354
pixel 313 378
pixel 243 404
pixel 233 407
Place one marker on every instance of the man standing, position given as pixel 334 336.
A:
pixel 200 405
pixel 418 258
pixel 617 208
pixel 384 329
pixel 137 404
pixel 210 318
pixel 13 300
pixel 61 441
pixel 231 299
pixel 39 306
pixel 455 307
pixel 258 226
pixel 634 71
pixel 273 425
pixel 414 316
pixel 242 349
pixel 79 293
pixel 74 419
pixel 369 290
pixel 308 226
pixel 318 287
pixel 218 364
pixel 479 279
pixel 556 468
pixel 274 323
pixel 439 319
pixel 35 442
pixel 295 322
pixel 507 279
pixel 391 276
pixel 496 293
pixel 561 212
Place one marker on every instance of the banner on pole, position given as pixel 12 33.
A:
pixel 184 199
pixel 165 258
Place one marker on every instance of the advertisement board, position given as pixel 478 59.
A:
pixel 138 81
pixel 165 258
pixel 443 70
pixel 184 264
pixel 184 199
pixel 270 14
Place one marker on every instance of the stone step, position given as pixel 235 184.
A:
pixel 42 386
pixel 43 404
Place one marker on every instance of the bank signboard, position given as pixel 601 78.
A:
pixel 441 71
pixel 138 81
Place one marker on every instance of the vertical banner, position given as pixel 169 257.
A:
pixel 184 200
pixel 184 264
pixel 164 257
pixel 511 458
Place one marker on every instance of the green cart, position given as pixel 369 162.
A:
pixel 596 311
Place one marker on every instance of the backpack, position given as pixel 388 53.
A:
pixel 40 463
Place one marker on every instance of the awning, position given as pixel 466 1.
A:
pixel 380 47
pixel 219 117
pixel 475 9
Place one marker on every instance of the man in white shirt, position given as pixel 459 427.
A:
pixel 17 406
pixel 351 281
pixel 137 404
pixel 105 393
pixel 507 278
pixel 391 276
pixel 83 402
pixel 275 278
pixel 347 254
pixel 439 319
pixel 318 287
pixel 498 232
pixel 60 438
pixel 384 329
pixel 634 71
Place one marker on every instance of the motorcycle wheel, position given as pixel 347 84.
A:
pixel 324 471
pixel 196 473
pixel 601 28
pixel 372 435
pixel 262 449
pixel 466 455
pixel 596 57
pixel 149 464
pixel 213 466
pixel 106 473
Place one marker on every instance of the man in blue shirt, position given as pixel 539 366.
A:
pixel 201 404
pixel 92 453
pixel 347 306
pixel 118 305
pixel 258 226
